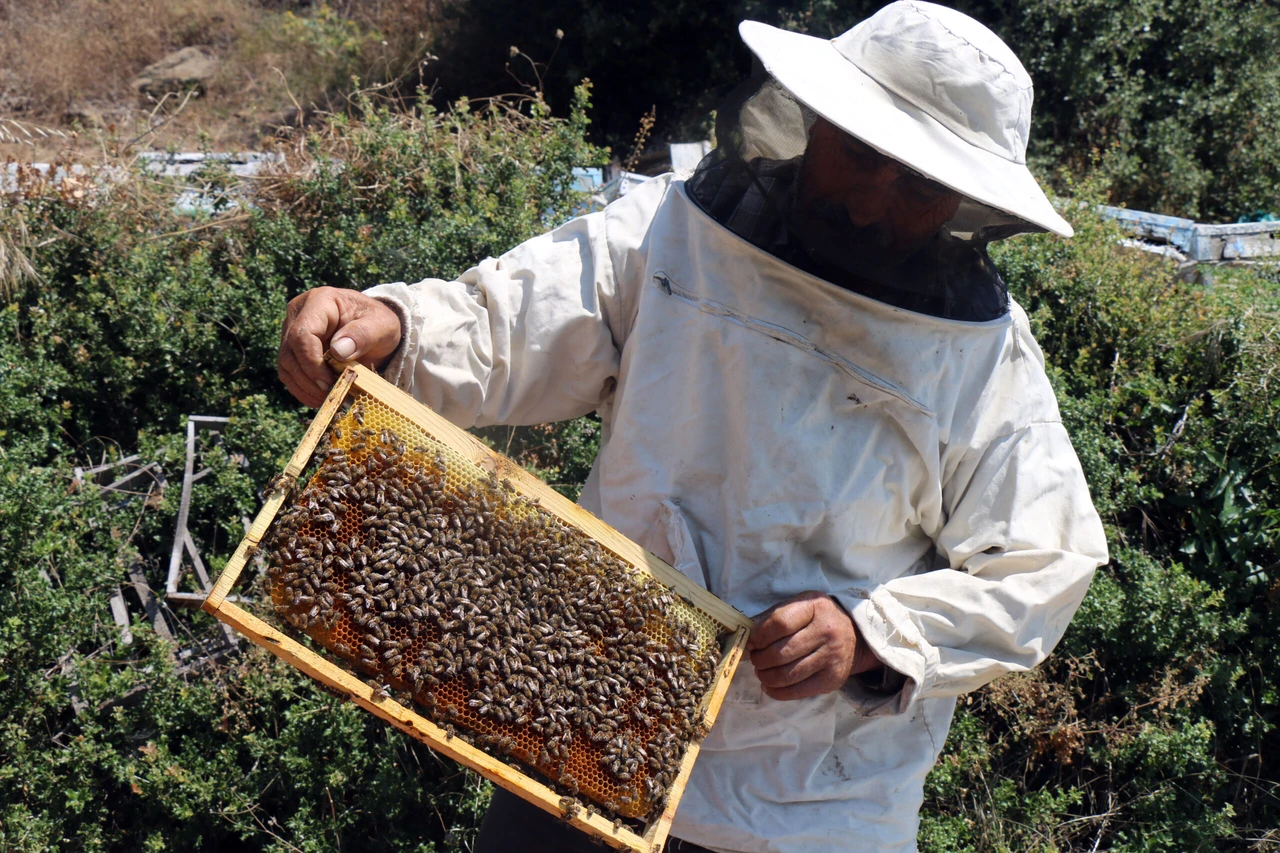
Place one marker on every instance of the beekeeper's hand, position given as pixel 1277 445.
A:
pixel 354 326
pixel 806 646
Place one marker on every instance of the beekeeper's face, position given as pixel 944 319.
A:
pixel 844 182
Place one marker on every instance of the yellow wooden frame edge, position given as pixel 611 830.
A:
pixel 361 378
pixel 422 729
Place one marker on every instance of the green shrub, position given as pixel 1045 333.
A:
pixel 1183 96
pixel 1145 730
pixel 134 316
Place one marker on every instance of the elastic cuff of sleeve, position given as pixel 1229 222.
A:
pixel 398 298
pixel 870 700
pixel 881 681
pixel 887 628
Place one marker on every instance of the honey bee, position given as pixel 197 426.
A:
pixel 476 582
pixel 280 484
pixel 569 808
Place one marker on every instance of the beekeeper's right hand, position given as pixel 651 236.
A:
pixel 354 326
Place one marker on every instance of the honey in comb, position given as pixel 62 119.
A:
pixel 515 630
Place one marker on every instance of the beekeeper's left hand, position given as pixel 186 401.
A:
pixel 354 326
pixel 806 646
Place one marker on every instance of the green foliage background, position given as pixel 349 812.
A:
pixel 1181 96
pixel 130 317
pixel 1153 728
pixel 1153 725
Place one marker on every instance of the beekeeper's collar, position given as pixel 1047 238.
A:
pixel 928 86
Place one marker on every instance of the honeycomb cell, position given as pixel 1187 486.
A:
pixel 507 626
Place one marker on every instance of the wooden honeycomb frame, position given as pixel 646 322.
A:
pixel 361 379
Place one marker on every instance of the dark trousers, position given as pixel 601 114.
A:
pixel 511 824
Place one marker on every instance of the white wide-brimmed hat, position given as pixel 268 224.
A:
pixel 928 86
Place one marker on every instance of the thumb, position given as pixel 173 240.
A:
pixel 345 347
pixel 369 338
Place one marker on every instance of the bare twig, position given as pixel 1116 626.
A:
pixel 642 136
pixel 152 124
pixel 225 220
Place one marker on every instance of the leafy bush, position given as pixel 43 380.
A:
pixel 1183 96
pixel 1145 82
pixel 1149 730
pixel 125 317
pixel 1146 730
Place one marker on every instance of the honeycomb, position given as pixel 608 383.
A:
pixel 507 626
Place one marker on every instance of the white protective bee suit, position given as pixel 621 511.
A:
pixel 769 433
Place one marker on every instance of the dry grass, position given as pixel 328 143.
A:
pixel 57 53
pixel 60 51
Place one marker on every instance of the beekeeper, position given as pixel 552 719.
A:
pixel 817 400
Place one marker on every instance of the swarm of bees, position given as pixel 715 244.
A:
pixel 507 626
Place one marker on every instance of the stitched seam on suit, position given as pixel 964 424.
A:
pixel 784 335
pixel 979 452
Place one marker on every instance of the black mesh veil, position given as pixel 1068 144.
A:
pixel 749 184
